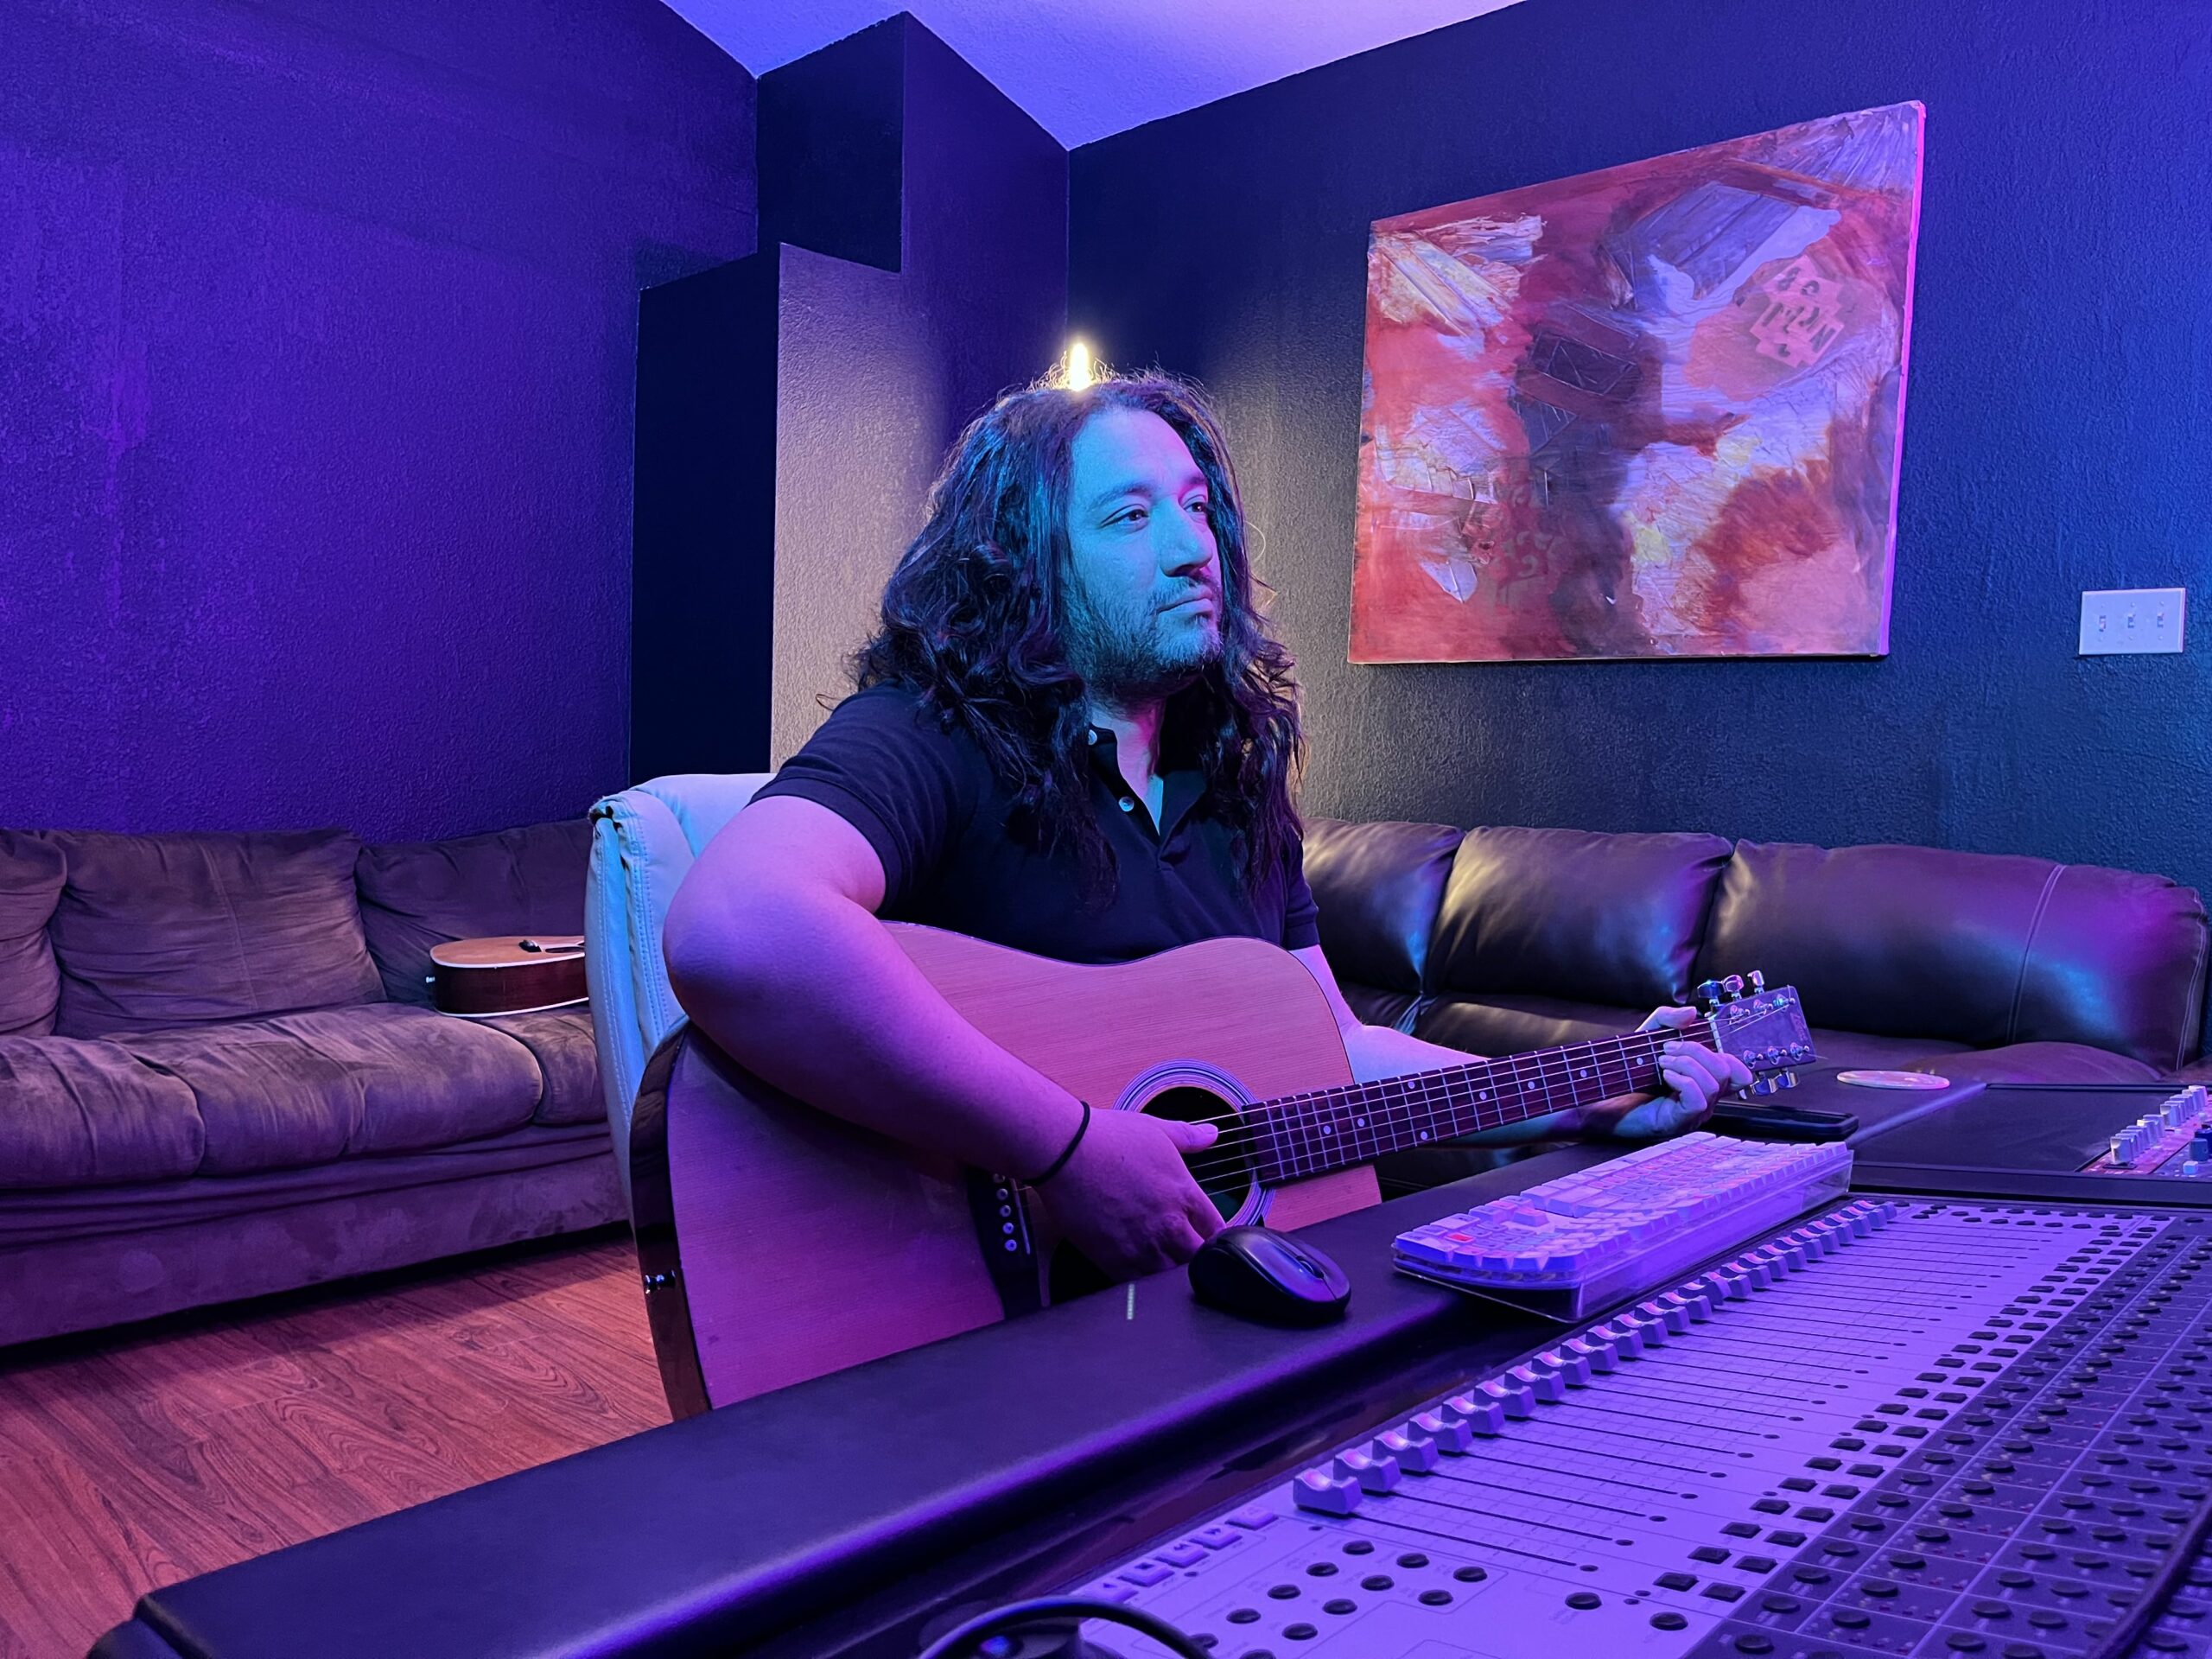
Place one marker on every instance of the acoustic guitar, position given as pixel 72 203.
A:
pixel 475 978
pixel 779 1242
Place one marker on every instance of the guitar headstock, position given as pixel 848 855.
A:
pixel 1765 1029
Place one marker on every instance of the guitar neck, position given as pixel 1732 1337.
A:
pixel 1298 1136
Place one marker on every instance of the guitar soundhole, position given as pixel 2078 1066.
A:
pixel 1224 1171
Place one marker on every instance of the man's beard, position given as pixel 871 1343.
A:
pixel 1121 653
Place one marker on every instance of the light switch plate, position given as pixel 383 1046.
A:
pixel 2132 620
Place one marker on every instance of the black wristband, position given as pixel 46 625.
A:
pixel 1066 1152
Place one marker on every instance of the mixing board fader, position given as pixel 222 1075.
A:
pixel 1903 1428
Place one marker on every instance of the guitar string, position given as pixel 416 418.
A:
pixel 1427 1091
pixel 1445 1089
pixel 1525 1075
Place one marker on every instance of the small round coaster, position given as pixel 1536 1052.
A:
pixel 1894 1079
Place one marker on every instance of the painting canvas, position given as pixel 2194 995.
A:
pixel 1651 412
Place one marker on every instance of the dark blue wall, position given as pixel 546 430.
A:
pixel 2056 415
pixel 316 357
pixel 913 265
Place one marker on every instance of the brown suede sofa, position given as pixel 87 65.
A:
pixel 2004 970
pixel 220 1076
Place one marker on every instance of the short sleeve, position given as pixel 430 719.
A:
pixel 1301 917
pixel 883 764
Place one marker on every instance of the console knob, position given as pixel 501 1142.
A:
pixel 1410 1449
pixel 1700 1299
pixel 1574 1369
pixel 1481 1416
pixel 1627 1340
pixel 1653 1331
pixel 1451 1434
pixel 1676 1318
pixel 1324 1493
pixel 1509 1397
pixel 1547 1386
pixel 1595 1351
pixel 1376 1474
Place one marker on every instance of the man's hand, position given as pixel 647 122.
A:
pixel 1126 1200
pixel 1695 1077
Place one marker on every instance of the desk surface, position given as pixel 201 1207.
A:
pixel 725 1532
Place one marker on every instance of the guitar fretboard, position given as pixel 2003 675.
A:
pixel 1296 1136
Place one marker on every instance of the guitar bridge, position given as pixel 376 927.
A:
pixel 1002 1217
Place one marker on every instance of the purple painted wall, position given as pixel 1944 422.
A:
pixel 879 371
pixel 317 326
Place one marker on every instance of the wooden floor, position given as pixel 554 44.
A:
pixel 139 1461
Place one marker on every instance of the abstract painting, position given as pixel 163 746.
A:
pixel 1651 412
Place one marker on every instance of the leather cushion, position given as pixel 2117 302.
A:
pixel 2042 1063
pixel 559 1041
pixel 1378 885
pixel 416 895
pixel 312 1088
pixel 31 875
pixel 1982 950
pixel 74 1113
pixel 1496 1026
pixel 1574 913
pixel 157 932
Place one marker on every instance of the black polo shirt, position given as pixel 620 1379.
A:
pixel 941 822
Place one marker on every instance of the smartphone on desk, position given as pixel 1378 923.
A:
pixel 1751 1120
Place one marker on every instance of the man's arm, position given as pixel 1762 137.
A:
pixel 774 949
pixel 1695 1075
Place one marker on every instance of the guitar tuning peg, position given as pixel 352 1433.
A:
pixel 1755 980
pixel 1708 994
pixel 1786 1080
pixel 1732 988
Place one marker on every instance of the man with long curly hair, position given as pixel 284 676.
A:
pixel 1074 736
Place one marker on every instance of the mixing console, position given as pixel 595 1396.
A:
pixel 2174 1140
pixel 1904 1427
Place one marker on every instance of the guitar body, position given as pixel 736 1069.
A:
pixel 477 978
pixel 807 1245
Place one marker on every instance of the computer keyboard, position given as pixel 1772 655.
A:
pixel 1572 1246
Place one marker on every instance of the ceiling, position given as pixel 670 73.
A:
pixel 1086 68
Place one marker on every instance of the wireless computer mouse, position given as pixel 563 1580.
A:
pixel 1269 1276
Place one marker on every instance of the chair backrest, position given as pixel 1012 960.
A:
pixel 642 842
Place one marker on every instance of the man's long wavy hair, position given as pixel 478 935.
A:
pixel 975 620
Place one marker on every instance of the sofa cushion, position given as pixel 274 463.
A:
pixel 157 932
pixel 31 875
pixel 310 1088
pixel 1862 1050
pixel 81 1113
pixel 1496 1026
pixel 559 1041
pixel 2075 1063
pixel 418 895
pixel 1982 950
pixel 1378 885
pixel 1572 914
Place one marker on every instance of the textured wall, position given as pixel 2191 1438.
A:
pixel 878 371
pixel 2061 387
pixel 317 326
